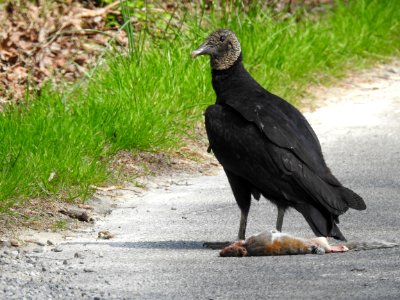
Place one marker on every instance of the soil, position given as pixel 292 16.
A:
pixel 321 96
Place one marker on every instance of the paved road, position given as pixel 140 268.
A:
pixel 157 249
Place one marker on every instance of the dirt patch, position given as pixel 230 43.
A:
pixel 321 96
pixel 190 159
pixel 38 215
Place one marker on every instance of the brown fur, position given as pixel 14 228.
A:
pixel 276 243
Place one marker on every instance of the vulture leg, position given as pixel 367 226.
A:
pixel 279 220
pixel 241 234
pixel 242 191
pixel 243 225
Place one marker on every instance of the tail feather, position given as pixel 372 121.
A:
pixel 352 199
pixel 321 221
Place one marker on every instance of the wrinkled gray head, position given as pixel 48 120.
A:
pixel 223 48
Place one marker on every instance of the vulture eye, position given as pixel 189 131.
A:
pixel 222 38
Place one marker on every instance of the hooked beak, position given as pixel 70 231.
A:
pixel 202 50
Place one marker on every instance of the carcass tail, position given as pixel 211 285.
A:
pixel 369 245
pixel 352 199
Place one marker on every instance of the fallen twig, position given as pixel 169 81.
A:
pixel 98 12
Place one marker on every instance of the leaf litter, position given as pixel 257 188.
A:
pixel 50 41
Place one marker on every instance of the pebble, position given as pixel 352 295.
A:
pixel 50 243
pixel 88 270
pixel 15 243
pixel 30 261
pixel 57 249
pixel 105 235
pixel 65 262
pixel 78 255
pixel 14 253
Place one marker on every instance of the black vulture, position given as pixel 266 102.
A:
pixel 267 147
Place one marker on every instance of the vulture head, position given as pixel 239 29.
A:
pixel 223 48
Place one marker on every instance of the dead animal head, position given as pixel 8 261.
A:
pixel 237 249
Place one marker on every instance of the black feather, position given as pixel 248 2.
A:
pixel 352 199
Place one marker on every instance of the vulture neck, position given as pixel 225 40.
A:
pixel 232 82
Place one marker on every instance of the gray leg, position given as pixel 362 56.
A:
pixel 242 191
pixel 243 225
pixel 241 234
pixel 279 220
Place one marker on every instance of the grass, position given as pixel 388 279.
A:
pixel 151 96
pixel 60 225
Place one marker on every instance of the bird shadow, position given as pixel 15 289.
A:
pixel 171 244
